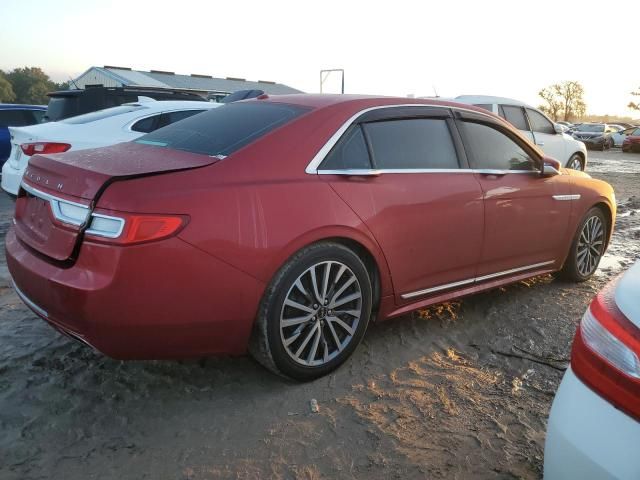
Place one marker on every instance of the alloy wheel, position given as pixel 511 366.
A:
pixel 590 246
pixel 576 163
pixel 321 313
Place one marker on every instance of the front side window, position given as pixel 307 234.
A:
pixel 539 123
pixel 423 143
pixel 515 116
pixel 223 130
pixel 349 153
pixel 491 149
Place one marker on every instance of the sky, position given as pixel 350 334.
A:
pixel 448 47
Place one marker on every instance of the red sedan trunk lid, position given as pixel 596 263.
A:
pixel 73 182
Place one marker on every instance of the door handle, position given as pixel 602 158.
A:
pixel 540 143
pixel 489 171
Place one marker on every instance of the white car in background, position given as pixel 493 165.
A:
pixel 91 130
pixel 594 424
pixel 619 136
pixel 550 137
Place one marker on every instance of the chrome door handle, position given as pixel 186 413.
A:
pixel 540 143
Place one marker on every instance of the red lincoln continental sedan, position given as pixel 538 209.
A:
pixel 281 225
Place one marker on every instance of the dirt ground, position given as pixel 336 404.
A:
pixel 462 390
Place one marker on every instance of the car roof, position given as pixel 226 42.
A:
pixel 17 106
pixel 322 100
pixel 490 99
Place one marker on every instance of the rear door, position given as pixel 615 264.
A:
pixel 545 136
pixel 403 171
pixel 526 215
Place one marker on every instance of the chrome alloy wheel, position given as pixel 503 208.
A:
pixel 590 246
pixel 320 314
pixel 576 163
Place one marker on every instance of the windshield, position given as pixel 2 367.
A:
pixel 102 114
pixel 221 131
pixel 590 128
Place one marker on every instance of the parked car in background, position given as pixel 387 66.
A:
pixel 69 103
pixel 595 135
pixel 619 136
pixel 631 142
pixel 536 126
pixel 594 425
pixel 97 129
pixel 12 115
pixel 566 124
pixel 626 125
pixel 279 227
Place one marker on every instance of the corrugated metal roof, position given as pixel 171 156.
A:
pixel 130 77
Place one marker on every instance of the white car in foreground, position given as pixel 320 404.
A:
pixel 549 136
pixel 594 425
pixel 91 130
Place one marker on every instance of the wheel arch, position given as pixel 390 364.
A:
pixel 608 213
pixel 583 159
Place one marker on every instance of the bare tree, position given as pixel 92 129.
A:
pixel 633 105
pixel 564 100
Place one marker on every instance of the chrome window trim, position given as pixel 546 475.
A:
pixel 474 280
pixel 312 167
pixel 28 302
pixel 372 172
pixel 55 205
pixel 567 197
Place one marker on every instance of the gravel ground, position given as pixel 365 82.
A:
pixel 461 390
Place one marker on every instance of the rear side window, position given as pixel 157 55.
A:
pixel 408 144
pixel 15 118
pixel 223 130
pixel 350 152
pixel 539 122
pixel 146 125
pixel 515 116
pixel 493 150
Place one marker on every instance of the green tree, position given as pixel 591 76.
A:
pixel 6 90
pixel 564 100
pixel 633 105
pixel 30 85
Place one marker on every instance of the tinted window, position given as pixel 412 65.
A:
pixel 61 107
pixel 223 130
pixel 515 116
pixel 146 125
pixel 14 118
pixel 492 149
pixel 485 106
pixel 102 114
pixel 173 117
pixel 38 116
pixel 539 122
pixel 350 152
pixel 415 143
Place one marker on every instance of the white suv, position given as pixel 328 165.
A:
pixel 549 136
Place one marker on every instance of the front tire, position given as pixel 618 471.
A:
pixel 587 247
pixel 575 162
pixel 314 312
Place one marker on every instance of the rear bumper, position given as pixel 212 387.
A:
pixel 158 300
pixel 11 178
pixel 587 438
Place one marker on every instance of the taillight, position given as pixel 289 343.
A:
pixel 127 229
pixel 31 149
pixel 606 353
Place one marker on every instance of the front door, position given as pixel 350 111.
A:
pixel 525 222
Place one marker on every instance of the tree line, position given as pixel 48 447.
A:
pixel 27 85
pixel 565 101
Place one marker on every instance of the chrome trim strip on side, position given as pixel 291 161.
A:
pixel 513 270
pixel 370 172
pixel 567 197
pixel 473 280
pixel 28 302
pixel 312 167
pixel 438 288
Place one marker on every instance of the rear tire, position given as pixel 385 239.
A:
pixel 587 247
pixel 305 328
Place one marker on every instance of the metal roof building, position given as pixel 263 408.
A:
pixel 109 76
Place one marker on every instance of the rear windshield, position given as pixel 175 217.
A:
pixel 102 114
pixel 222 131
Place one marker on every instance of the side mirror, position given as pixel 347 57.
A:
pixel 550 167
pixel 559 128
